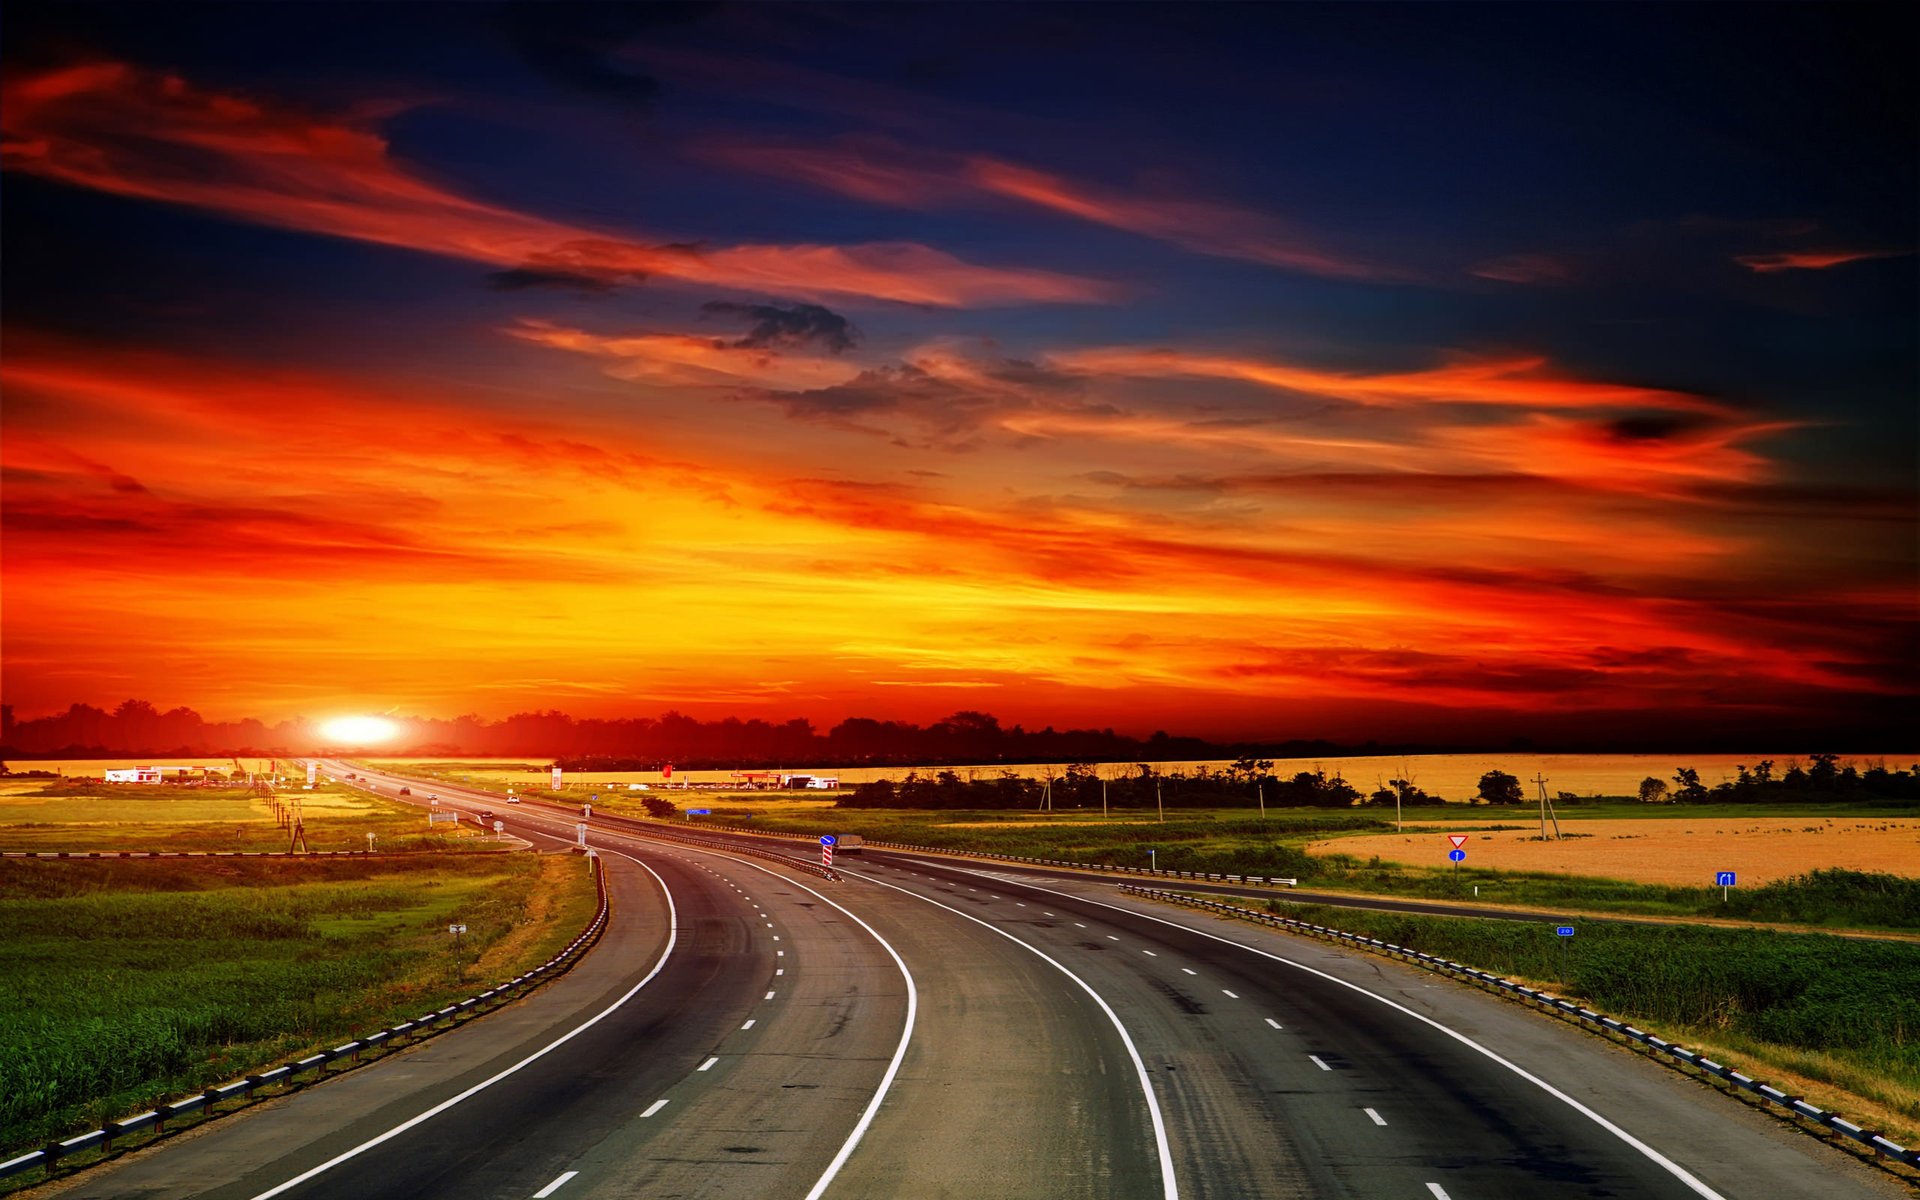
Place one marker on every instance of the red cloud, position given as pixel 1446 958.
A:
pixel 116 128
pixel 1811 260
pixel 1509 382
pixel 884 173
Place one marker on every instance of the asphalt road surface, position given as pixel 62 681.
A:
pixel 932 1029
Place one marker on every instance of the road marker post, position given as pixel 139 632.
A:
pixel 827 843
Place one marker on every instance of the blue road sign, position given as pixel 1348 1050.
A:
pixel 1456 855
pixel 1564 931
pixel 827 839
pixel 698 812
pixel 1723 879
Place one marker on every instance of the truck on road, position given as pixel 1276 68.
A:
pixel 848 843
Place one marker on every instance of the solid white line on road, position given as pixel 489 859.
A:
pixel 1273 1022
pixel 749 1024
pixel 1668 1165
pixel 1439 1193
pixel 1169 1186
pixel 708 1065
pixel 653 1108
pixel 1189 970
pixel 906 1033
pixel 1229 995
pixel 555 1186
pixel 673 923
pixel 1377 1118
pixel 1317 1060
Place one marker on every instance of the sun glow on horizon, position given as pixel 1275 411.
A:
pixel 359 731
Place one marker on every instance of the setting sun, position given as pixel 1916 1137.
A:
pixel 359 731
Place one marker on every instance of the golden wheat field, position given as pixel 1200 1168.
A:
pixel 1681 850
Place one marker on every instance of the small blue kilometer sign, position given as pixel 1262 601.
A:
pixel 1723 879
pixel 827 839
pixel 1456 855
pixel 699 812
pixel 1564 931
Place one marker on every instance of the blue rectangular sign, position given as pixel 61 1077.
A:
pixel 698 812
pixel 1564 931
pixel 1723 879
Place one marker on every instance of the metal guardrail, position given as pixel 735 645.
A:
pixel 1767 1092
pixel 785 860
pixel 157 1117
pixel 1214 876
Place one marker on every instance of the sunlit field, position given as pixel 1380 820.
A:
pixel 1450 776
pixel 67 814
pixel 95 767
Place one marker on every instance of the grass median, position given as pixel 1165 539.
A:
pixel 124 983
pixel 1817 1014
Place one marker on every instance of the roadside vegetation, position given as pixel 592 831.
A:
pixel 127 982
pixel 82 814
pixel 1838 1011
pixel 1231 842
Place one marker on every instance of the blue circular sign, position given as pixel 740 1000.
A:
pixel 1456 855
pixel 827 839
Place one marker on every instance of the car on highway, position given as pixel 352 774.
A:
pixel 513 799
pixel 486 814
pixel 406 791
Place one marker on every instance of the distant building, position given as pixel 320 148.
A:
pixel 147 774
pixel 818 783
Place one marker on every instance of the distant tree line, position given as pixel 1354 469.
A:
pixel 1823 778
pixel 620 743
pixel 1248 782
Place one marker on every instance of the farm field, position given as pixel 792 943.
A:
pixel 1451 776
pixel 66 814
pixel 1758 846
pixel 93 767
pixel 195 971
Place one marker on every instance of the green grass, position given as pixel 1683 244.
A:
pixel 127 982
pixel 1229 841
pixel 66 815
pixel 1841 1010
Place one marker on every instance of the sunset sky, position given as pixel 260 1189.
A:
pixel 1352 371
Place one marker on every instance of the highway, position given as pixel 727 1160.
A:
pixel 927 1028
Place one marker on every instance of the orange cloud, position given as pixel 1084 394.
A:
pixel 1511 382
pixel 1811 260
pixel 883 172
pixel 116 128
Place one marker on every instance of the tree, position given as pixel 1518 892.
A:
pixel 1691 791
pixel 1498 787
pixel 1653 791
pixel 658 807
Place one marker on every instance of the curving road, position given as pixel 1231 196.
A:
pixel 927 1029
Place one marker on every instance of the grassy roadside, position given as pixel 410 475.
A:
pixel 79 815
pixel 1231 843
pixel 1831 1018
pixel 128 982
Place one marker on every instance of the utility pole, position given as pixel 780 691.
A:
pixel 1159 802
pixel 1103 797
pixel 1546 809
pixel 1260 789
